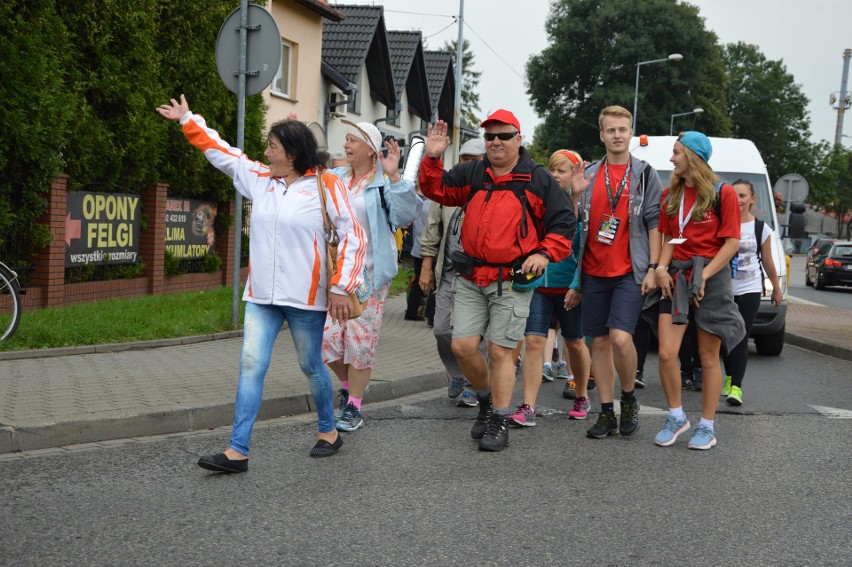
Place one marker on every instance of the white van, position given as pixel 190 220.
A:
pixel 736 159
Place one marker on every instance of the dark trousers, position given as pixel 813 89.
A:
pixel 415 295
pixel 736 362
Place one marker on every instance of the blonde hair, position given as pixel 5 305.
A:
pixel 703 178
pixel 616 111
pixel 559 157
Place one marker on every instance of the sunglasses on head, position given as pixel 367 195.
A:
pixel 489 136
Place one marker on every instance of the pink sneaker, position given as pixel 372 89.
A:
pixel 524 417
pixel 581 408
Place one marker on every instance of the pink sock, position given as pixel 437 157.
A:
pixel 355 402
pixel 344 384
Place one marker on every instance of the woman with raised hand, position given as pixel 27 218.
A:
pixel 382 202
pixel 287 278
pixel 700 224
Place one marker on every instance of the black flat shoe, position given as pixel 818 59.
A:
pixel 325 449
pixel 220 463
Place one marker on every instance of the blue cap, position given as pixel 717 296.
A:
pixel 698 143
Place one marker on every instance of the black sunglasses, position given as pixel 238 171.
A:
pixel 489 136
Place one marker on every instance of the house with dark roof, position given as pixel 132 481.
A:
pixel 357 76
pixel 442 84
pixel 297 86
pixel 414 104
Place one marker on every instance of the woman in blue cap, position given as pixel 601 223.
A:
pixel 700 224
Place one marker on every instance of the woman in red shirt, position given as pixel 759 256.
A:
pixel 700 224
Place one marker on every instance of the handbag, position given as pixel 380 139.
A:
pixel 331 243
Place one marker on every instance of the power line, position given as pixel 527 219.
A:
pixel 420 14
pixel 442 29
pixel 493 51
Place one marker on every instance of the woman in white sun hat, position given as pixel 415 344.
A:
pixel 383 201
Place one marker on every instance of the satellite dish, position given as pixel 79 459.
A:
pixel 319 135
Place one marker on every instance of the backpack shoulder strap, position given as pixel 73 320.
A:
pixel 717 206
pixel 476 182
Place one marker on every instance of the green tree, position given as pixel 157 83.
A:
pixel 831 185
pixel 470 82
pixel 591 61
pixel 766 106
pixel 80 84
pixel 34 119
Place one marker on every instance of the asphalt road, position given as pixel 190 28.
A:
pixel 412 489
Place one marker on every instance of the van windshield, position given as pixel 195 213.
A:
pixel 762 205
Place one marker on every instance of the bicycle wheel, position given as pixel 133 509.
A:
pixel 10 304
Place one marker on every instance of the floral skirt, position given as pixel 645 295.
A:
pixel 355 340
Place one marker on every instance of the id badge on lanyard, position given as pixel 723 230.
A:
pixel 610 223
pixel 682 222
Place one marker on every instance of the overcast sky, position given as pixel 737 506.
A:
pixel 808 36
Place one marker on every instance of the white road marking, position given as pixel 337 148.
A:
pixel 834 413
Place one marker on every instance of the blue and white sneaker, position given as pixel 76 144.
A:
pixel 671 431
pixel 702 439
pixel 467 400
pixel 351 419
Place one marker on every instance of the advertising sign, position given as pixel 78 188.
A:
pixel 189 227
pixel 101 228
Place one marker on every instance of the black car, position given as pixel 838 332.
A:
pixel 831 264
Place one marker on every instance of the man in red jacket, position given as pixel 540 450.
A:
pixel 517 219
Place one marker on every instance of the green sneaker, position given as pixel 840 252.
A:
pixel 726 387
pixel 735 398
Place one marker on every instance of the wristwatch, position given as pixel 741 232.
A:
pixel 652 266
pixel 543 253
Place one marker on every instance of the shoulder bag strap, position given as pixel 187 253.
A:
pixel 330 230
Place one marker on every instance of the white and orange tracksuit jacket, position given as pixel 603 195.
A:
pixel 287 255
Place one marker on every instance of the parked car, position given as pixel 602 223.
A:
pixel 737 159
pixel 809 263
pixel 831 264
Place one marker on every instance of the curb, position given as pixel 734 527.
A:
pixel 117 347
pixel 181 420
pixel 820 347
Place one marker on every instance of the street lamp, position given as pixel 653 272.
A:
pixel 671 125
pixel 672 57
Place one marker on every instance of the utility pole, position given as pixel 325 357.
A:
pixel 842 98
pixel 457 104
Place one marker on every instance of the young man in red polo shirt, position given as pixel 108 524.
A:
pixel 619 248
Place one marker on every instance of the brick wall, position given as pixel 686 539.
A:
pixel 47 283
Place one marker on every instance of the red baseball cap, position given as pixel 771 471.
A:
pixel 504 116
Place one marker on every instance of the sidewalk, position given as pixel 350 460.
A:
pixel 88 394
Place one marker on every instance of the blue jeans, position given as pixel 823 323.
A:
pixel 262 323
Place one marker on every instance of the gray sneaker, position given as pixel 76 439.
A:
pixel 467 400
pixel 562 370
pixel 455 388
pixel 342 400
pixel 547 373
pixel 351 420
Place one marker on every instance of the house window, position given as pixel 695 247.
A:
pixel 282 84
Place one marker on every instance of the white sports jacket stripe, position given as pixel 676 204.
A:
pixel 287 241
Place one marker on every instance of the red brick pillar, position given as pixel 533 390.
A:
pixel 152 242
pixel 225 247
pixel 50 262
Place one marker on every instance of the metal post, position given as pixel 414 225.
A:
pixel 241 119
pixel 457 103
pixel 636 99
pixel 844 101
